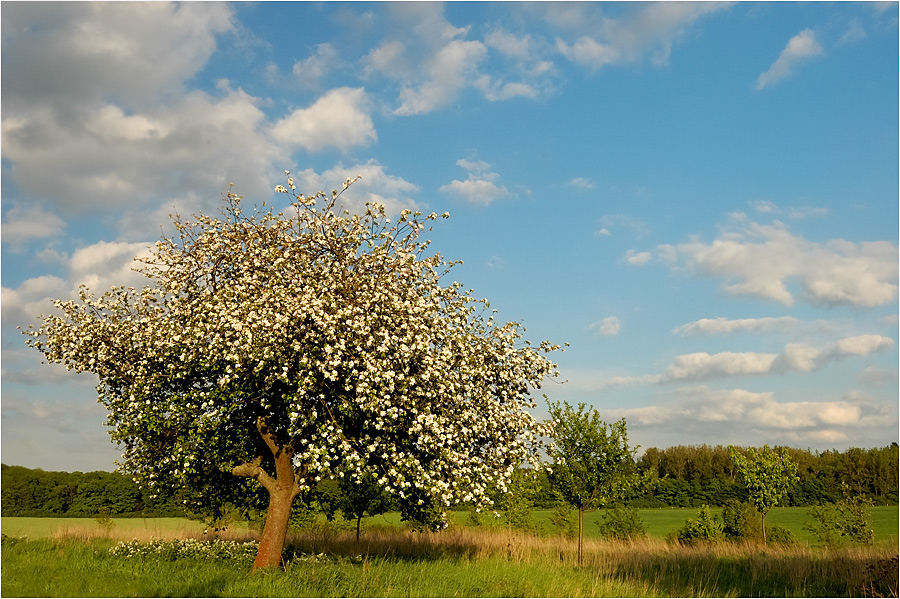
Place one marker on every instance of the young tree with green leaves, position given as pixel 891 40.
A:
pixel 767 474
pixel 593 466
pixel 272 349
pixel 361 497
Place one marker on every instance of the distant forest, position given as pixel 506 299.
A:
pixel 681 476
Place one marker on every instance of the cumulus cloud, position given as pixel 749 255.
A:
pixel 702 366
pixel 649 30
pixel 735 413
pixel 375 186
pixel 607 327
pixel 310 71
pixel 796 357
pixel 99 266
pixel 450 70
pixel 799 49
pixel 636 258
pixel 113 159
pixel 760 260
pixel 70 55
pixel 480 187
pixel 339 119
pixel 26 223
pixel 715 326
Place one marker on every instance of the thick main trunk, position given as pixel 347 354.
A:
pixel 271 543
pixel 283 489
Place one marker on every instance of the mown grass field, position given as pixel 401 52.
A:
pixel 70 557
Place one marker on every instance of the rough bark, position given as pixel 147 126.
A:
pixel 271 543
pixel 283 489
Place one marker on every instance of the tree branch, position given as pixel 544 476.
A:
pixel 255 471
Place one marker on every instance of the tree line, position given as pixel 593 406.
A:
pixel 694 475
pixel 680 476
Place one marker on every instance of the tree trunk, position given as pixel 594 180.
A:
pixel 764 528
pixel 283 489
pixel 580 534
pixel 274 532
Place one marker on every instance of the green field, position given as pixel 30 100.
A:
pixel 660 522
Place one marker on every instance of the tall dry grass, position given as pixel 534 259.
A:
pixel 721 569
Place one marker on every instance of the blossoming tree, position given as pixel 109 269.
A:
pixel 272 348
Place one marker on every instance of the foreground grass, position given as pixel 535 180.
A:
pixel 459 562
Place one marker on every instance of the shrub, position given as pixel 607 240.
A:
pixel 705 528
pixel 561 518
pixel 778 535
pixel 741 521
pixel 622 523
pixel 848 519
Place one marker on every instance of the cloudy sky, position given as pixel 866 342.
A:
pixel 701 199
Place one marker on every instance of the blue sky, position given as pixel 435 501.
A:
pixel 701 199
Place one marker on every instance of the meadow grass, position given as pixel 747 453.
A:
pixel 458 562
pixel 660 522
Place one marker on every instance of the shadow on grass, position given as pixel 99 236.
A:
pixel 756 572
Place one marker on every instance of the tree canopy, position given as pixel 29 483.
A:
pixel 767 474
pixel 273 348
pixel 593 466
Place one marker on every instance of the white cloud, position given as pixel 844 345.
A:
pixel 637 258
pixel 310 71
pixel 855 32
pixel 111 159
pixel 701 365
pixel 496 263
pixel 795 213
pixel 649 30
pixel 390 59
pixel 759 260
pixel 480 187
pixel 714 326
pixel 607 327
pixel 796 357
pixel 376 185
pixel 26 223
pixel 635 226
pixel 107 264
pixel 83 53
pixel 876 376
pixel 511 45
pixel 582 183
pixel 451 69
pixel 338 119
pixel 736 414
pixel 799 49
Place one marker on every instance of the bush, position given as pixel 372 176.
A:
pixel 622 523
pixel 777 535
pixel 741 521
pixel 561 518
pixel 847 519
pixel 705 528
